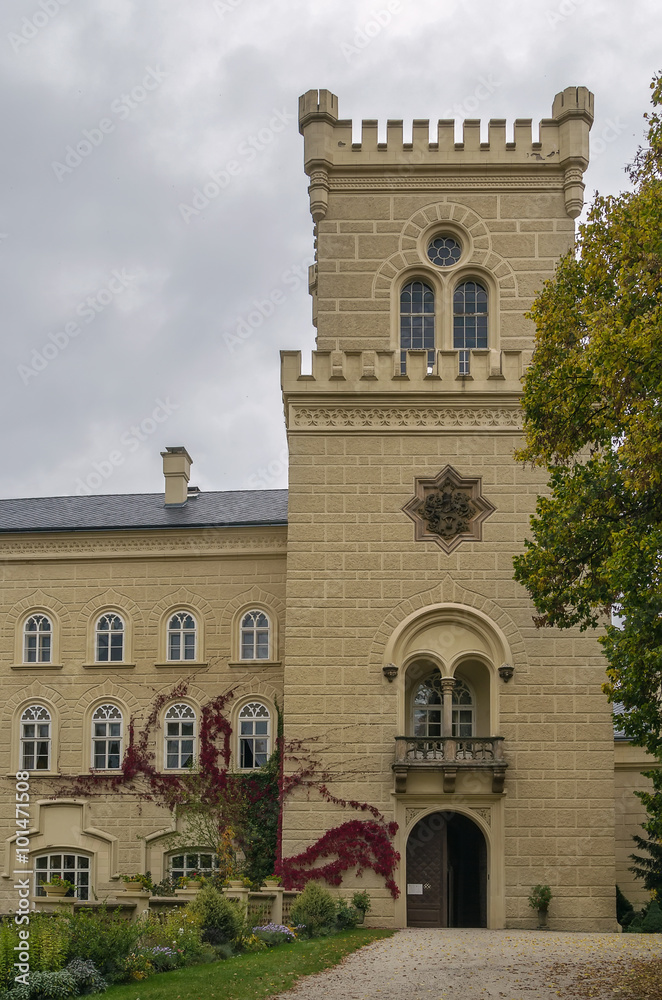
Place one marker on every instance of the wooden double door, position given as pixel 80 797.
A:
pixel 446 873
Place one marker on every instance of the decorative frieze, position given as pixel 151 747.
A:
pixel 426 417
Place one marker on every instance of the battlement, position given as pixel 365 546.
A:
pixel 562 146
pixel 374 372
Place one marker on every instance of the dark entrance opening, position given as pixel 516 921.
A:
pixel 446 873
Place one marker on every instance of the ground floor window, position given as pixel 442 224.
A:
pixel 72 867
pixel 202 862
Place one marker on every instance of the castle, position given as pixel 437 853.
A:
pixel 376 603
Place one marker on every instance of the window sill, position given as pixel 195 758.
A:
pixel 178 664
pixel 35 774
pixel 255 663
pixel 113 664
pixel 36 666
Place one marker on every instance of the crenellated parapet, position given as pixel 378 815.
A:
pixel 560 151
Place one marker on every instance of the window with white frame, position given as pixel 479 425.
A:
pixel 255 636
pixel 469 321
pixel 463 710
pixel 36 739
pixel 109 639
pixel 254 735
pixel 200 862
pixel 37 639
pixel 182 636
pixel 427 707
pixel 179 736
pixel 71 867
pixel 107 738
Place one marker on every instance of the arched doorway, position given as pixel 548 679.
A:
pixel 446 872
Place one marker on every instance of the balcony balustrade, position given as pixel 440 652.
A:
pixel 449 754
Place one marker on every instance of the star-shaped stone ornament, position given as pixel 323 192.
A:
pixel 448 509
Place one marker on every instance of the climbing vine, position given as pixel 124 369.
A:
pixel 250 804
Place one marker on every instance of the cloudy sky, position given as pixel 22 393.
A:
pixel 121 297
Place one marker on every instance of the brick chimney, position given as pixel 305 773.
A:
pixel 177 471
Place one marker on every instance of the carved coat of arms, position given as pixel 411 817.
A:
pixel 448 509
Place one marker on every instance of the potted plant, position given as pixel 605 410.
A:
pixel 58 886
pixel 272 880
pixel 193 880
pixel 134 882
pixel 539 900
pixel 361 903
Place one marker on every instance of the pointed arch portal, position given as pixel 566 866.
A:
pixel 446 872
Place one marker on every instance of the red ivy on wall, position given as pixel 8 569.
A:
pixel 358 844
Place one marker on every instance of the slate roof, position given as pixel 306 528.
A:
pixel 143 510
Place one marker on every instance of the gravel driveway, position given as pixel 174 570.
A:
pixel 472 965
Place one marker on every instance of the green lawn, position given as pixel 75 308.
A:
pixel 249 977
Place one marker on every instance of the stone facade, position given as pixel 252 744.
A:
pixel 395 570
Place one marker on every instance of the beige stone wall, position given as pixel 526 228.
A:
pixel 74 577
pixel 630 814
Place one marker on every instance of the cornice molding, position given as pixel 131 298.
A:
pixel 117 546
pixel 406 417
pixel 446 182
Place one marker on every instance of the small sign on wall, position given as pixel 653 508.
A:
pixel 414 888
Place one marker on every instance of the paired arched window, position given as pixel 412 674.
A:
pixel 109 639
pixel 254 735
pixel 73 868
pixel 107 738
pixel 36 739
pixel 38 639
pixel 255 636
pixel 179 736
pixel 417 321
pixel 182 636
pixel 427 709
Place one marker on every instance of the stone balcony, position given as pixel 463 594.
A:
pixel 449 755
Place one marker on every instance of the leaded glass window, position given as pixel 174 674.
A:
pixel 255 636
pixel 254 735
pixel 179 736
pixel 37 639
pixel 36 739
pixel 182 637
pixel 428 707
pixel 463 710
pixel 109 639
pixel 107 738
pixel 469 321
pixel 444 251
pixel 416 321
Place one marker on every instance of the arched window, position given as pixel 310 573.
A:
pixel 469 321
pixel 107 738
pixel 37 639
pixel 109 639
pixel 463 710
pixel 254 735
pixel 36 739
pixel 179 736
pixel 255 636
pixel 182 636
pixel 427 706
pixel 416 321
pixel 71 867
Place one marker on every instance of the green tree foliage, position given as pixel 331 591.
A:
pixel 593 418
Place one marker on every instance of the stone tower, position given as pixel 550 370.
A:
pixel 411 655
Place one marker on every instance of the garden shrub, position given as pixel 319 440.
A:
pixel 652 922
pixel 346 916
pixel 220 918
pixel 273 934
pixel 103 937
pixel 88 978
pixel 624 908
pixel 179 929
pixel 8 939
pixel 314 909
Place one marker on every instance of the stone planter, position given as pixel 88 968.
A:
pixel 235 883
pixel 56 891
pixel 134 886
pixel 360 916
pixel 542 920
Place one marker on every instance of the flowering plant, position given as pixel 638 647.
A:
pixel 57 882
pixel 273 934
